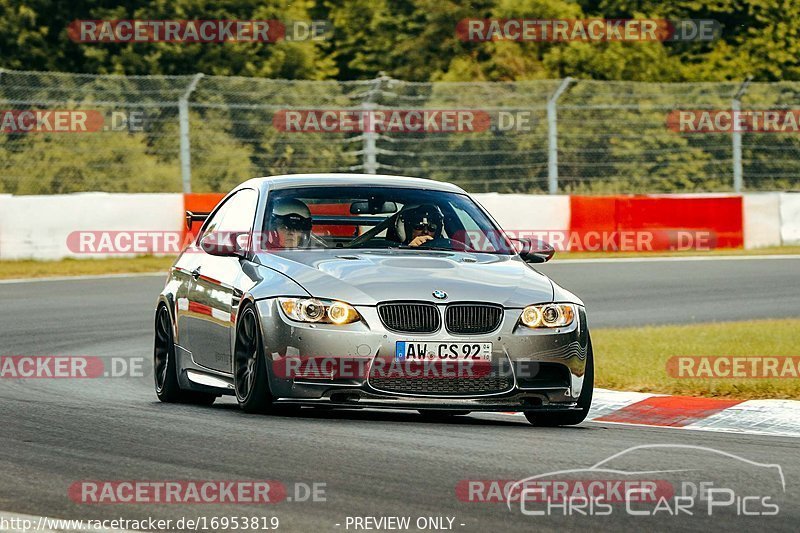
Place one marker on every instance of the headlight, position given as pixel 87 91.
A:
pixel 319 311
pixel 548 315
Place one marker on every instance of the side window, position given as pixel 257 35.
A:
pixel 473 235
pixel 235 215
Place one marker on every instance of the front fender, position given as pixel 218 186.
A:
pixel 269 283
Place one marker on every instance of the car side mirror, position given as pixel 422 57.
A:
pixel 192 217
pixel 533 250
pixel 226 244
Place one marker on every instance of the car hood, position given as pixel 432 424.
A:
pixel 370 276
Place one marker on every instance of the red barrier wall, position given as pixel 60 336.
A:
pixel 204 202
pixel 657 222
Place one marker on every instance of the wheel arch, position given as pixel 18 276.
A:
pixel 247 300
pixel 168 300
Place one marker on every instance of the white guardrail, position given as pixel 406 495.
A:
pixel 37 227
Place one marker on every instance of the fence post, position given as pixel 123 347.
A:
pixel 369 147
pixel 183 118
pixel 552 137
pixel 736 106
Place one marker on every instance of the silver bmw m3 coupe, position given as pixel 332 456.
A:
pixel 366 291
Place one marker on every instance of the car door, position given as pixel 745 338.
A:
pixel 212 290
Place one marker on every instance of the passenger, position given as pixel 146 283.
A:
pixel 289 224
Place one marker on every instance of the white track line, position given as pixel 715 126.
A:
pixel 661 259
pixel 89 277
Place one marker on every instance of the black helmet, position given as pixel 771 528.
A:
pixel 418 218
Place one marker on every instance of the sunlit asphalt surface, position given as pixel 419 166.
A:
pixel 391 463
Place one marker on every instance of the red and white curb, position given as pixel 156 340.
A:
pixel 759 417
pixel 753 417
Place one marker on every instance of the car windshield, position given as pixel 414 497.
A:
pixel 379 218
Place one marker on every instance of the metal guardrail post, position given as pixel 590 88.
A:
pixel 370 137
pixel 736 106
pixel 183 117
pixel 552 137
pixel 370 145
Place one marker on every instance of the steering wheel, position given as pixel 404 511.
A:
pixel 444 242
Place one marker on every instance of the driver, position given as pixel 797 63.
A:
pixel 289 224
pixel 420 224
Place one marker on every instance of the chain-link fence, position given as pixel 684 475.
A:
pixel 209 133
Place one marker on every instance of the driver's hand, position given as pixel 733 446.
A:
pixel 416 241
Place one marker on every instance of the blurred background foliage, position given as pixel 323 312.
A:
pixel 611 134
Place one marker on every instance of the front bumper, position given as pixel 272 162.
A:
pixel 543 369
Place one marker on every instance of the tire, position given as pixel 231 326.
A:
pixel 570 418
pixel 251 382
pixel 435 414
pixel 165 372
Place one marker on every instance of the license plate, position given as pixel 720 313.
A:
pixel 442 351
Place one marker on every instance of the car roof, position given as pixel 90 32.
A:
pixel 288 181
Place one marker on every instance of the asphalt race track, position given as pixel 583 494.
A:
pixel 669 291
pixel 54 432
